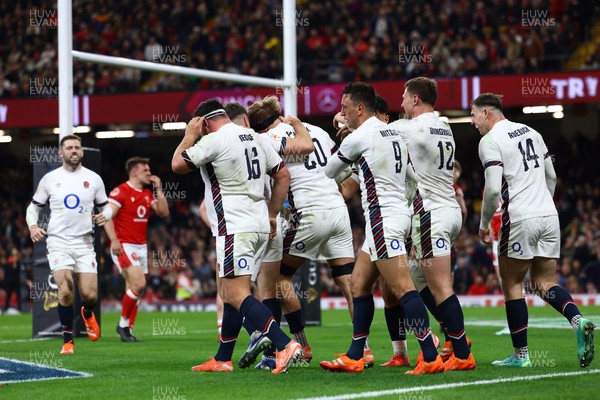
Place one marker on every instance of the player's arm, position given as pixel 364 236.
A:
pixel 491 158
pixel 280 178
pixel 550 173
pixel 109 228
pixel 181 162
pixel 460 199
pixel 411 181
pixel 105 210
pixel 345 157
pixel 204 213
pixel 32 216
pixel 301 143
pixel 491 197
pixel 160 206
pixel 281 183
pixel 349 187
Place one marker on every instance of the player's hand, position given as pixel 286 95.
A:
pixel 290 120
pixel 195 128
pixel 155 181
pixel 338 121
pixel 99 219
pixel 115 247
pixel 273 224
pixel 343 132
pixel 484 235
pixel 36 233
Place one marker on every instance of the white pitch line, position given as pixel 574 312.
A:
pixel 23 340
pixel 449 386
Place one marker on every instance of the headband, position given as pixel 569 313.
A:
pixel 214 113
pixel 266 123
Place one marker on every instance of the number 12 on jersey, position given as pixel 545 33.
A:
pixel 450 147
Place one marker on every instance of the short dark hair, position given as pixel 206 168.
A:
pixel 361 92
pixel 425 88
pixel 69 137
pixel 234 110
pixel 207 106
pixel 133 161
pixel 381 106
pixel 488 100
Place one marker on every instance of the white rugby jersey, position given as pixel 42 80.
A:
pixel 72 197
pixel 233 162
pixel 310 188
pixel 520 151
pixel 431 148
pixel 382 157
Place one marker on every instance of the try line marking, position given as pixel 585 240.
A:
pixel 449 386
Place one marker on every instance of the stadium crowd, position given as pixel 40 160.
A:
pixel 182 251
pixel 338 41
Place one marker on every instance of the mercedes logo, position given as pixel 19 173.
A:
pixel 327 100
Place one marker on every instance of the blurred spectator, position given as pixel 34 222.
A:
pixel 186 289
pixel 12 285
pixel 478 287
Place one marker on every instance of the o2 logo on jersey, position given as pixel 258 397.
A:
pixel 516 247
pixel 441 244
pixel 243 264
pixel 300 246
pixel 396 245
pixel 71 201
pixel 141 211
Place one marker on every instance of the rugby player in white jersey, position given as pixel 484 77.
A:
pixel 394 314
pixel 383 173
pixel 437 218
pixel 518 168
pixel 72 191
pixel 233 162
pixel 266 276
pixel 319 226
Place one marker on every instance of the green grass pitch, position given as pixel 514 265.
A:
pixel 159 368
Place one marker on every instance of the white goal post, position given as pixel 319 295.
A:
pixel 66 56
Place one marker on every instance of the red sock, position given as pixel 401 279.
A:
pixel 129 302
pixel 133 314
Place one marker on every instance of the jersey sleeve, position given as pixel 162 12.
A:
pixel 117 197
pixel 101 199
pixel 489 153
pixel 273 160
pixel 350 149
pixel 349 152
pixel 542 146
pixel 41 196
pixel 203 152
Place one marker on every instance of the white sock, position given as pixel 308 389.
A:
pixel 520 352
pixel 124 322
pixel 367 343
pixel 399 347
pixel 575 322
pixel 219 325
